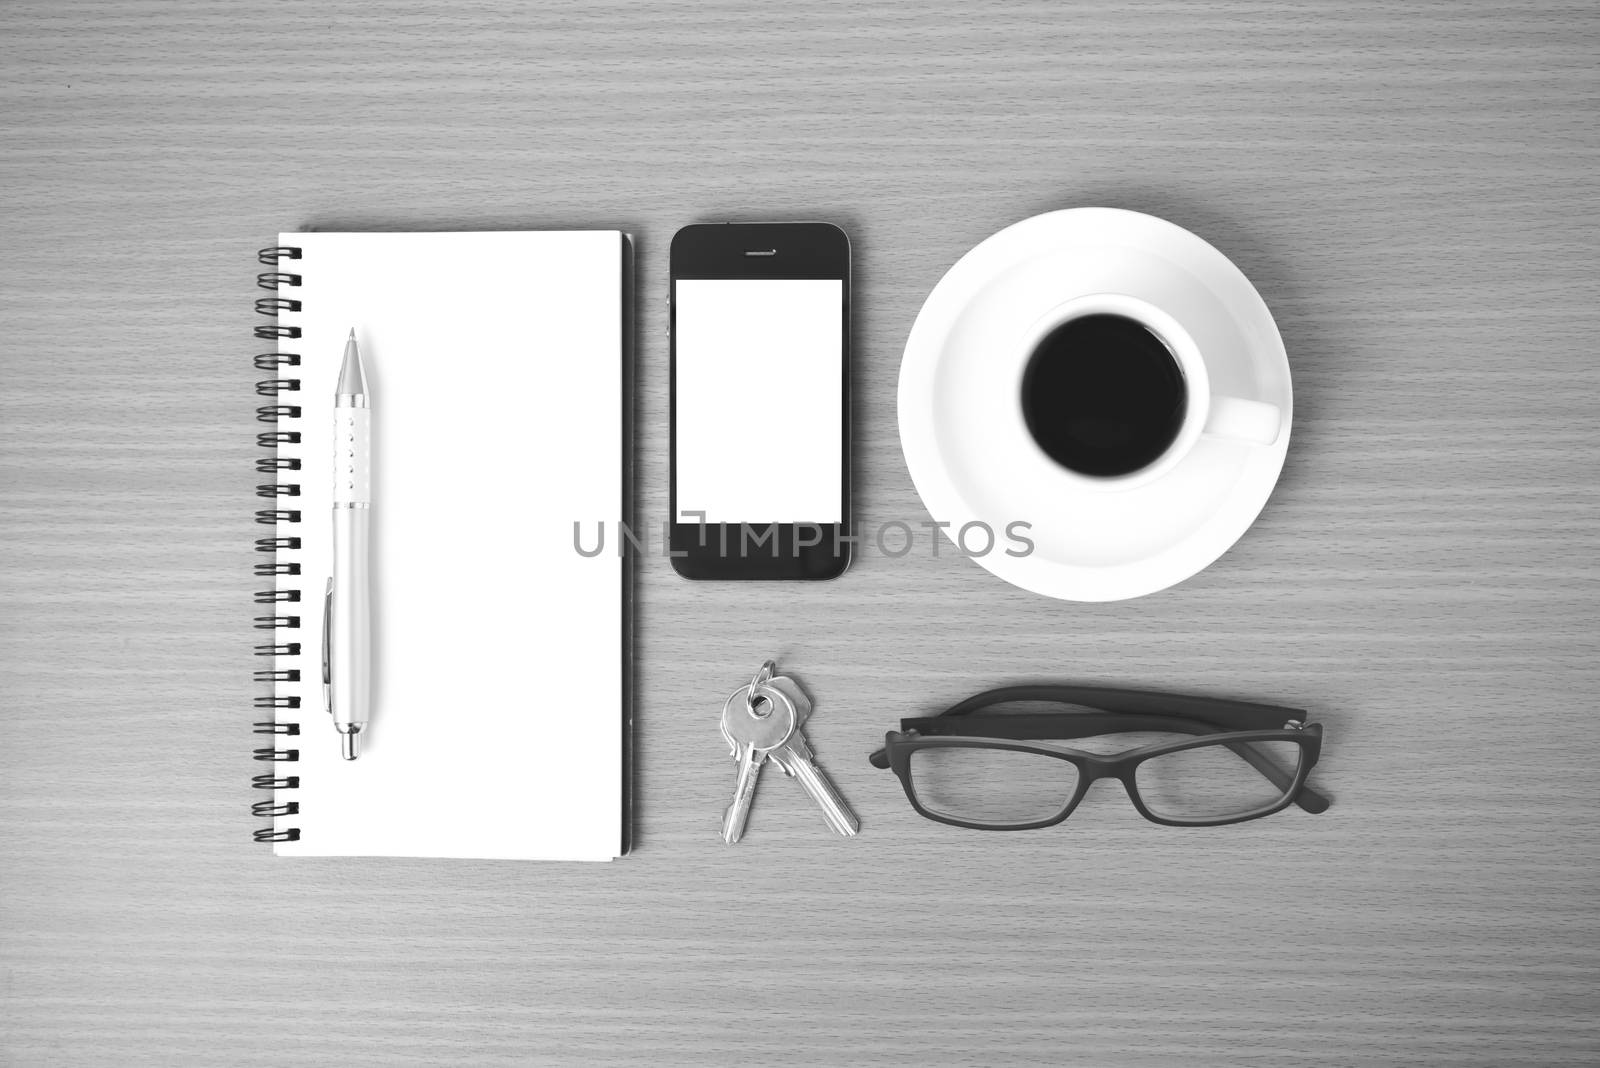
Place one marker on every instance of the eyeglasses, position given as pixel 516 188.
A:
pixel 1194 761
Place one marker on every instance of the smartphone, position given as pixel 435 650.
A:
pixel 760 455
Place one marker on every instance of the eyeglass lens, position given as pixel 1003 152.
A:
pixel 1000 787
pixel 1006 787
pixel 1214 782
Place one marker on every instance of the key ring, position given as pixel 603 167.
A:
pixel 762 676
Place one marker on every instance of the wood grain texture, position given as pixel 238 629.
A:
pixel 1411 186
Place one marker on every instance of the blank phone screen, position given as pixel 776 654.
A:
pixel 759 399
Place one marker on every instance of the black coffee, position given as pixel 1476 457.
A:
pixel 1103 396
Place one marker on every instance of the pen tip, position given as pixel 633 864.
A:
pixel 349 747
pixel 352 376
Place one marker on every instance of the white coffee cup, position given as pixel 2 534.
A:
pixel 1242 419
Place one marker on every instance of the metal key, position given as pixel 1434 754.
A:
pixel 753 727
pixel 795 757
pixel 792 690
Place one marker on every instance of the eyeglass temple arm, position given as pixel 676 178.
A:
pixel 1222 712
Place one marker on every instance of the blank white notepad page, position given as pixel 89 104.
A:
pixel 494 362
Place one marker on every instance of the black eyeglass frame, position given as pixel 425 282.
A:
pixel 1213 722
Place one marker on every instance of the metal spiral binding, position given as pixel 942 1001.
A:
pixel 274 364
pixel 273 782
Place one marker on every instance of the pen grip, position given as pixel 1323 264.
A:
pixel 350 617
pixel 352 451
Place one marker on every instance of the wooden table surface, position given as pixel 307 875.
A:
pixel 1411 186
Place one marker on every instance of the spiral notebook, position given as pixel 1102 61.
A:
pixel 498 366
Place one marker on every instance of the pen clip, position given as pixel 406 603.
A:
pixel 327 648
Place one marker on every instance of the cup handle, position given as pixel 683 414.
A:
pixel 1256 422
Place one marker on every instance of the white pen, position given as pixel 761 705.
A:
pixel 347 609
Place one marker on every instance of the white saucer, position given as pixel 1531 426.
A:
pixel 973 461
